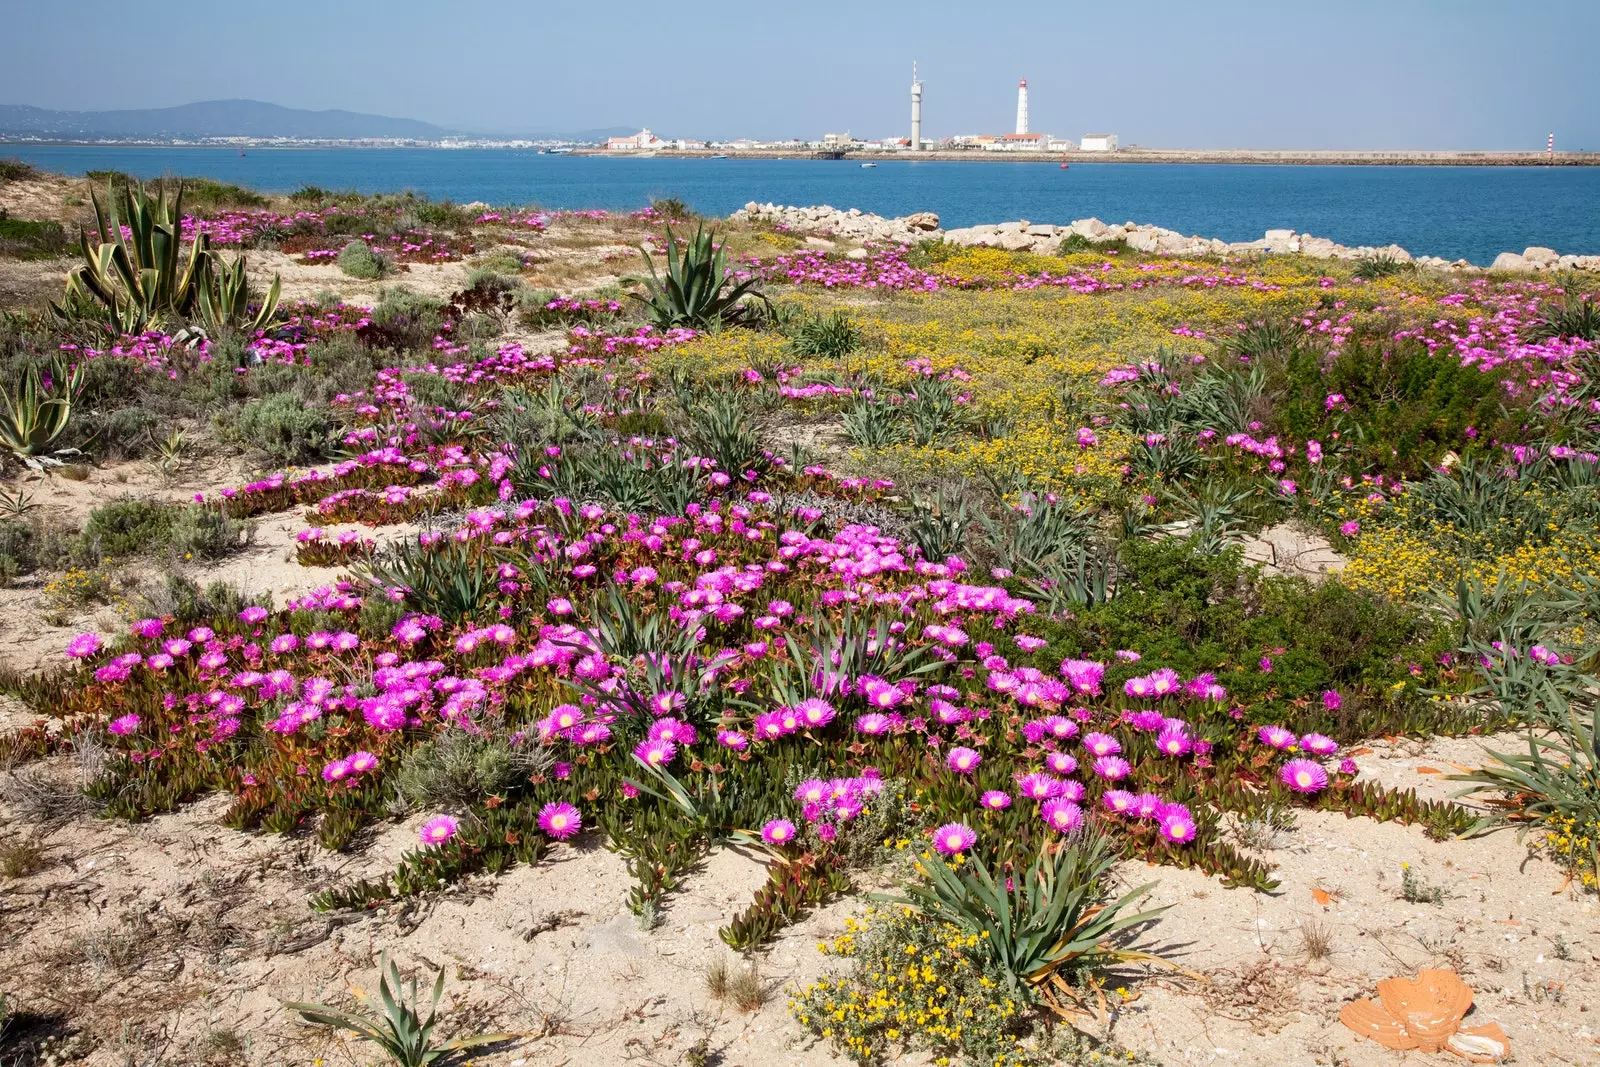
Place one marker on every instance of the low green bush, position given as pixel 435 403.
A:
pixel 126 527
pixel 357 260
pixel 31 238
pixel 283 427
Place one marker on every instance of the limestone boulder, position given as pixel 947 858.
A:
pixel 1542 257
pixel 1510 261
pixel 922 220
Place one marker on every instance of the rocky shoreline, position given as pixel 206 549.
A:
pixel 1025 236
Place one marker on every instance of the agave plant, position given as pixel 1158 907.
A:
pixel 1047 931
pixel 696 290
pixel 37 414
pixel 395 1023
pixel 224 297
pixel 1576 316
pixel 139 278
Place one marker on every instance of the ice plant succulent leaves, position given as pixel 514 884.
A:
pixel 1048 927
pixel 395 1023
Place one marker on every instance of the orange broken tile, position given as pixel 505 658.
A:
pixel 1362 751
pixel 1429 770
pixel 1322 896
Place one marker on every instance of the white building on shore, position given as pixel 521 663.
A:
pixel 644 139
pixel 1098 142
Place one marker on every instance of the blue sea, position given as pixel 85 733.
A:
pixel 1456 212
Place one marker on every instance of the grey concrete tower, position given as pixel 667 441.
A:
pixel 916 110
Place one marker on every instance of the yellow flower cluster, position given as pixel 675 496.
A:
pixel 910 986
pixel 1572 844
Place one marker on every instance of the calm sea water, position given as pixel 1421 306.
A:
pixel 1456 212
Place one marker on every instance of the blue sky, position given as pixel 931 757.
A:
pixel 1229 73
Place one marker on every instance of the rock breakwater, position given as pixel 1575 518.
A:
pixel 1026 236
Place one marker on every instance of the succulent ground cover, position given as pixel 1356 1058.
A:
pixel 925 570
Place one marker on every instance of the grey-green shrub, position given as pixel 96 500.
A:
pixel 359 261
pixel 283 426
pixel 124 528
pixel 457 769
pixel 200 532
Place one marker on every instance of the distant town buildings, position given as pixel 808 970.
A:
pixel 640 141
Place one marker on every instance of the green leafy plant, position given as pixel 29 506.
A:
pixel 137 280
pixel 358 260
pixel 1575 315
pixel 1383 265
pixel 695 290
pixel 825 336
pixel 224 298
pixel 395 1023
pixel 37 413
pixel 1045 931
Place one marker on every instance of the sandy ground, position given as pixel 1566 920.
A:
pixel 181 938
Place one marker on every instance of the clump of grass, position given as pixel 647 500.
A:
pixel 1316 940
pixel 357 260
pixel 31 238
pixel 20 858
pixel 1383 266
pixel 15 170
pixel 1414 890
pixel 738 984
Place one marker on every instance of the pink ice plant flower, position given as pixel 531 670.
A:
pixel 1304 776
pixel 778 832
pixel 560 820
pixel 438 830
pixel 953 838
pixel 963 760
pixel 1063 816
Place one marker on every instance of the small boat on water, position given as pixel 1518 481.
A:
pixel 869 164
pixel 1064 163
pixel 720 155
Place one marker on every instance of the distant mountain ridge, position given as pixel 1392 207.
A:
pixel 238 118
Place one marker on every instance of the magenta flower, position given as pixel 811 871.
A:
pixel 1332 700
pixel 1102 745
pixel 1173 743
pixel 560 820
pixel 1119 801
pixel 336 770
pixel 1319 745
pixel 125 725
pixel 1176 825
pixel 83 646
pixel 733 739
pixel 1276 737
pixel 1347 766
pixel 438 830
pixel 1039 786
pixel 1304 776
pixel 995 800
pixel 963 760
pixel 1063 815
pixel 1060 762
pixel 1112 768
pixel 1147 806
pixel 778 832
pixel 657 753
pixel 874 723
pixel 362 762
pixel 815 712
pixel 954 837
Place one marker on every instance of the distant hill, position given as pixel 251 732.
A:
pixel 236 118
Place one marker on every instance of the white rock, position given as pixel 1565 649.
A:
pixel 856 253
pixel 1542 256
pixel 1510 261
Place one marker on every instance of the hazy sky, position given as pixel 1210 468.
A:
pixel 1229 73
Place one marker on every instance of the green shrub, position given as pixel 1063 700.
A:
pixel 186 602
pixel 210 195
pixel 283 427
pixel 825 336
pixel 205 533
pixel 357 260
pixel 31 239
pixel 125 528
pixel 457 770
pixel 15 170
